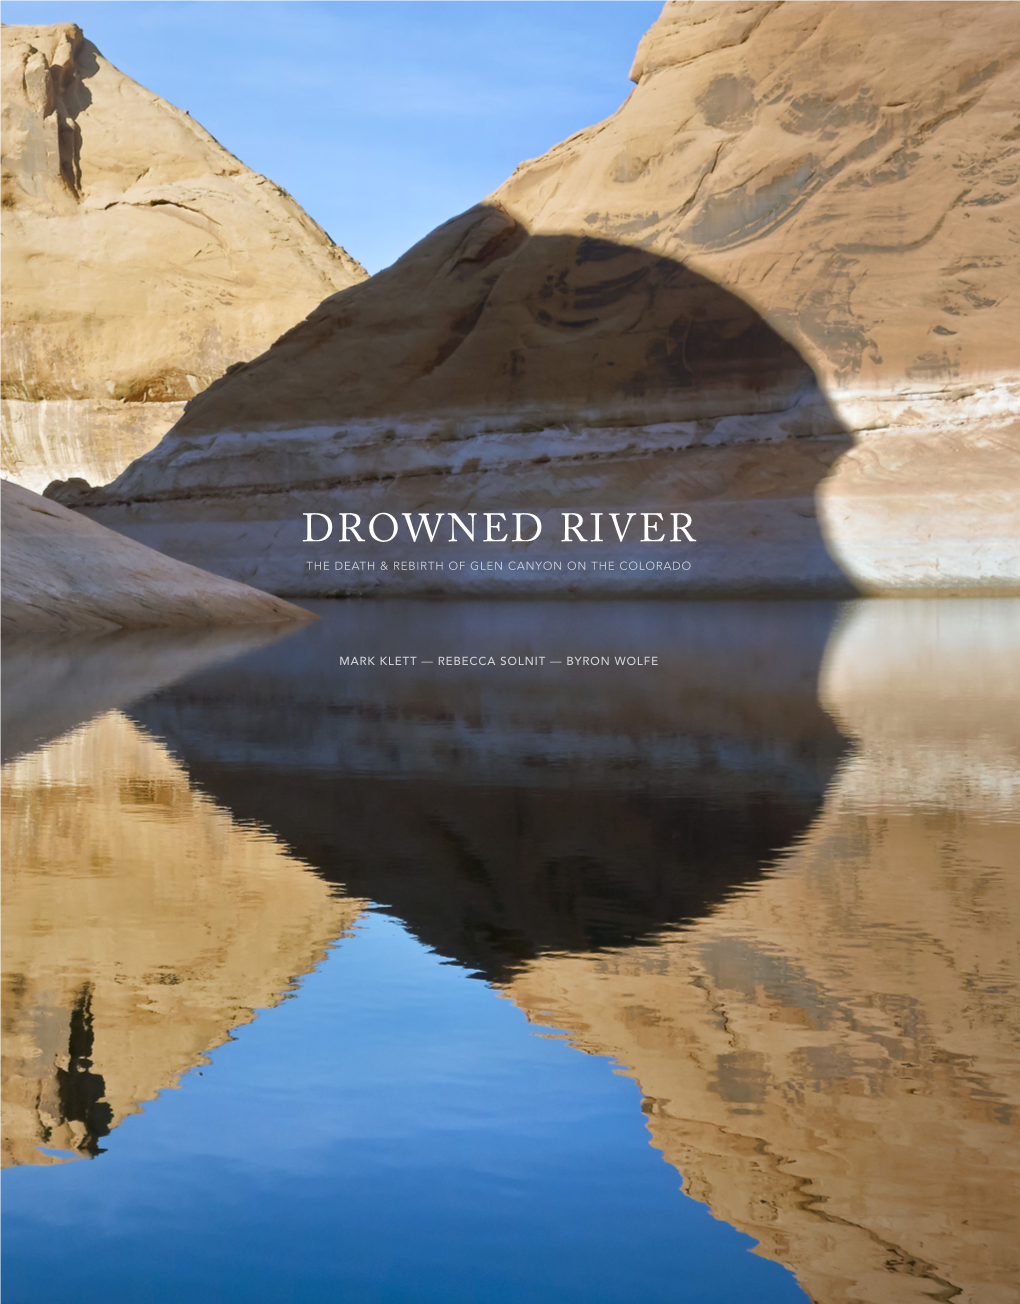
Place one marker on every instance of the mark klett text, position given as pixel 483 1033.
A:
pixel 578 527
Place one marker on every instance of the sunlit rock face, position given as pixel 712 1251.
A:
pixel 830 1058
pixel 141 259
pixel 772 290
pixel 850 171
pixel 63 573
pixel 141 924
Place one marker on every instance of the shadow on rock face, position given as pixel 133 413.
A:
pixel 491 369
pixel 484 320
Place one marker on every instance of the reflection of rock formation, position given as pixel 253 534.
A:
pixel 612 330
pixel 52 683
pixel 140 925
pixel 62 573
pixel 933 689
pixel 830 1058
pixel 140 260
pixel 504 811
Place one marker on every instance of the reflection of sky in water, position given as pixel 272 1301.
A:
pixel 394 1133
pixel 805 955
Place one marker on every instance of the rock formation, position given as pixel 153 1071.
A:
pixel 141 260
pixel 62 572
pixel 117 982
pixel 775 290
pixel 830 1058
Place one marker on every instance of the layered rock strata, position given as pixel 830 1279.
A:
pixel 775 291
pixel 64 573
pixel 141 260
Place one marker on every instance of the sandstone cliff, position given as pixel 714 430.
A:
pixel 794 243
pixel 62 572
pixel 141 260
pixel 118 982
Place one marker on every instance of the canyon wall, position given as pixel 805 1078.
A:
pixel 775 290
pixel 141 260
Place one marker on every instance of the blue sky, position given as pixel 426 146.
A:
pixel 382 117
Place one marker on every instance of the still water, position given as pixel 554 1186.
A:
pixel 691 981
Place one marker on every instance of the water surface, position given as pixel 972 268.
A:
pixel 302 960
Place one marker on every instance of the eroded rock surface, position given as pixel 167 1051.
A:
pixel 141 260
pixel 794 243
pixel 63 572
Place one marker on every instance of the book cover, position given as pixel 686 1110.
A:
pixel 512 651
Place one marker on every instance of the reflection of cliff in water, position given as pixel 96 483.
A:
pixel 503 812
pixel 830 1058
pixel 81 1094
pixel 140 925
pixel 52 683
pixel 828 1054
